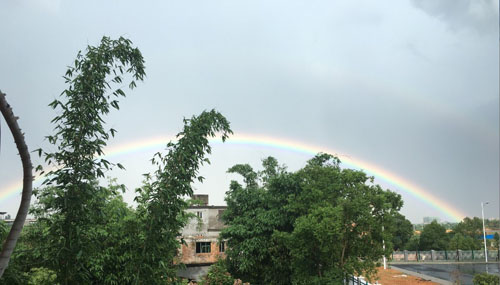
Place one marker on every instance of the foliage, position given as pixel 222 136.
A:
pixel 459 241
pixel 253 214
pixel 4 230
pixel 308 227
pixel 42 276
pixel 485 279
pixel 433 237
pixel 403 232
pixel 161 207
pixel 492 223
pixel 84 232
pixel 414 243
pixel 73 241
pixel 471 229
pixel 496 239
pixel 218 275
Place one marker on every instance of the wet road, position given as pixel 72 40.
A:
pixel 452 272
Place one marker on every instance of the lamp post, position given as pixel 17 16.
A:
pixel 484 231
pixel 383 246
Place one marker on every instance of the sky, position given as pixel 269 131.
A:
pixel 409 88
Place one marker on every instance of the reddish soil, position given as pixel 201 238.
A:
pixel 392 276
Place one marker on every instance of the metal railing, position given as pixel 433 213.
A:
pixel 445 255
pixel 356 280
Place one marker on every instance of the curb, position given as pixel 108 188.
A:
pixel 423 276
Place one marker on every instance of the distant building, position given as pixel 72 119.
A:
pixel 201 236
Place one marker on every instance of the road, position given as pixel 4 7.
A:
pixel 450 271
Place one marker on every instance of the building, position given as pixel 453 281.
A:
pixel 201 236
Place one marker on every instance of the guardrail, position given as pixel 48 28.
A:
pixel 444 255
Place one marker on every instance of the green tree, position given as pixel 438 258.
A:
pixel 403 231
pixel 459 241
pixel 256 211
pixel 471 228
pixel 433 237
pixel 413 243
pixel 161 206
pixel 85 233
pixel 75 202
pixel 496 239
pixel 308 227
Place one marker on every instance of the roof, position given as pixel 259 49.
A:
pixel 207 207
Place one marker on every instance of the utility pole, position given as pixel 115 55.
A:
pixel 383 246
pixel 484 231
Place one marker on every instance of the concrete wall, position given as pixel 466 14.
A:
pixel 204 229
pixel 208 225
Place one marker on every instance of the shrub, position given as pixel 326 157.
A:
pixel 218 275
pixel 486 279
pixel 42 276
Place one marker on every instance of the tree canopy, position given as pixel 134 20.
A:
pixel 85 233
pixel 306 227
pixel 433 237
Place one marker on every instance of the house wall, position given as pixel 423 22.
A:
pixel 205 229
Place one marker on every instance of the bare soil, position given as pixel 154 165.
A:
pixel 392 276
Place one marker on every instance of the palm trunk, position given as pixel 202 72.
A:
pixel 15 231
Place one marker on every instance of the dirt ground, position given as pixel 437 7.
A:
pixel 392 276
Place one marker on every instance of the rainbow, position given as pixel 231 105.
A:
pixel 282 144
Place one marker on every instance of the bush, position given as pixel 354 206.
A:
pixel 42 276
pixel 485 279
pixel 218 275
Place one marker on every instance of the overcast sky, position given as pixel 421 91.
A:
pixel 409 86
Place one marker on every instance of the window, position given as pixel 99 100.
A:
pixel 222 246
pixel 202 247
pixel 199 214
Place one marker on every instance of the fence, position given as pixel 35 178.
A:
pixel 444 255
pixel 355 280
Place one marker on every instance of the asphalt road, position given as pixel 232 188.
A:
pixel 452 271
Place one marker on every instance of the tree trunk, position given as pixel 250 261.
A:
pixel 15 231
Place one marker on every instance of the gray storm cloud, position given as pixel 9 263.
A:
pixel 479 15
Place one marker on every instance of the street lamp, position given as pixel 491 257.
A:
pixel 484 230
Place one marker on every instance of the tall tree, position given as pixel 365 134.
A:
pixel 433 237
pixel 75 201
pixel 403 232
pixel 161 206
pixel 15 231
pixel 308 227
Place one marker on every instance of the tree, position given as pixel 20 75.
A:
pixel 161 206
pixel 313 226
pixel 496 238
pixel 253 213
pixel 433 237
pixel 403 232
pixel 459 241
pixel 15 231
pixel 85 233
pixel 414 243
pixel 471 228
pixel 75 201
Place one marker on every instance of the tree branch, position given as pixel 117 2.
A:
pixel 15 231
